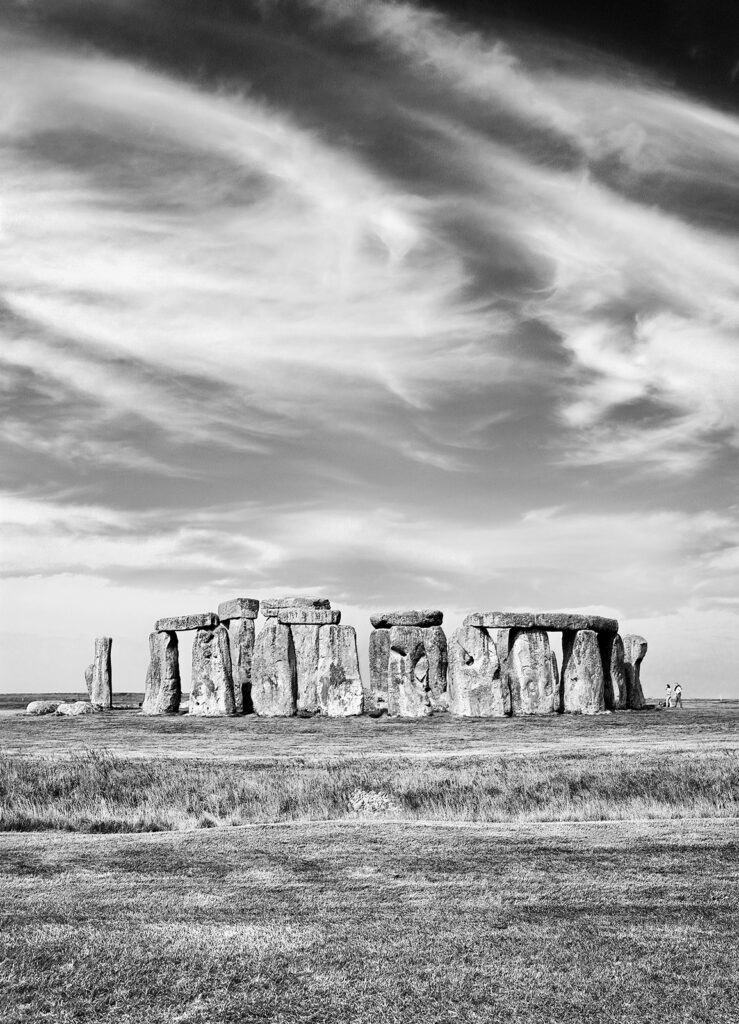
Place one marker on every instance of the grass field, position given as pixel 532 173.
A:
pixel 558 869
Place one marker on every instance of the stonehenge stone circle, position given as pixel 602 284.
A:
pixel 274 681
pixel 534 688
pixel 163 689
pixel 408 663
pixel 212 688
pixel 477 683
pixel 635 648
pixel 583 682
pixel 101 693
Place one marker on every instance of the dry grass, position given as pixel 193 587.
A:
pixel 102 792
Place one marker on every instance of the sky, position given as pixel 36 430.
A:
pixel 405 305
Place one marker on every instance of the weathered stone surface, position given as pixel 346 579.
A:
pixel 635 648
pixel 101 691
pixel 241 645
pixel 424 618
pixel 614 676
pixel 182 623
pixel 309 616
pixel 435 645
pixel 557 681
pixel 212 688
pixel 477 687
pixel 306 642
pixel 272 606
pixel 273 673
pixel 408 688
pixel 89 671
pixel 163 690
pixel 75 708
pixel 583 684
pixel 238 608
pixel 555 622
pixel 379 664
pixel 42 707
pixel 339 683
pixel 534 689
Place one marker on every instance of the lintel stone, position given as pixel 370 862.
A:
pixel 238 608
pixel 553 622
pixel 424 618
pixel 309 616
pixel 181 623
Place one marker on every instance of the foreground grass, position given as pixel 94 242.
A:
pixel 329 923
pixel 100 792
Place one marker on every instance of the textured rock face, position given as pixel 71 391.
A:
pixel 272 606
pixel 163 689
pixel 635 648
pixel 339 682
pixel 614 673
pixel 42 707
pixel 477 687
pixel 75 708
pixel 379 664
pixel 408 689
pixel 306 641
pixel 238 608
pixel 534 688
pixel 102 675
pixel 273 675
pixel 309 616
pixel 583 683
pixel 555 622
pixel 89 671
pixel 182 623
pixel 211 691
pixel 435 645
pixel 241 646
pixel 425 618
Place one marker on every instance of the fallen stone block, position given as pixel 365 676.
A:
pixel 42 707
pixel 274 681
pixel 424 618
pixel 272 606
pixel 74 708
pixel 408 689
pixel 163 690
pixel 183 623
pixel 241 643
pixel 477 685
pixel 238 608
pixel 635 649
pixel 211 689
pixel 379 665
pixel 101 690
pixel 533 686
pixel 309 616
pixel 583 683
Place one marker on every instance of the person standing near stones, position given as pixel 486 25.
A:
pixel 668 696
pixel 678 695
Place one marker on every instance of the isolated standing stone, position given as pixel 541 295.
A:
pixel 102 675
pixel 534 690
pixel 435 645
pixel 89 671
pixel 379 667
pixel 408 687
pixel 339 682
pixel 582 673
pixel 477 688
pixel 273 674
pixel 212 688
pixel 635 648
pixel 241 645
pixel 163 689
pixel 614 673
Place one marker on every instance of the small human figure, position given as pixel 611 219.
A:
pixel 668 696
pixel 678 695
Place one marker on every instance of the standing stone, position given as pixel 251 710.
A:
pixel 582 673
pixel 614 673
pixel 477 688
pixel 101 692
pixel 435 645
pixel 635 647
pixel 379 666
pixel 339 682
pixel 306 641
pixel 163 688
pixel 241 646
pixel 273 676
pixel 212 688
pixel 534 689
pixel 556 678
pixel 88 678
pixel 408 688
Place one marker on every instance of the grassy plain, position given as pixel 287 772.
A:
pixel 468 870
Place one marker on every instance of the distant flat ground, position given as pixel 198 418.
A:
pixel 326 923
pixel 700 725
